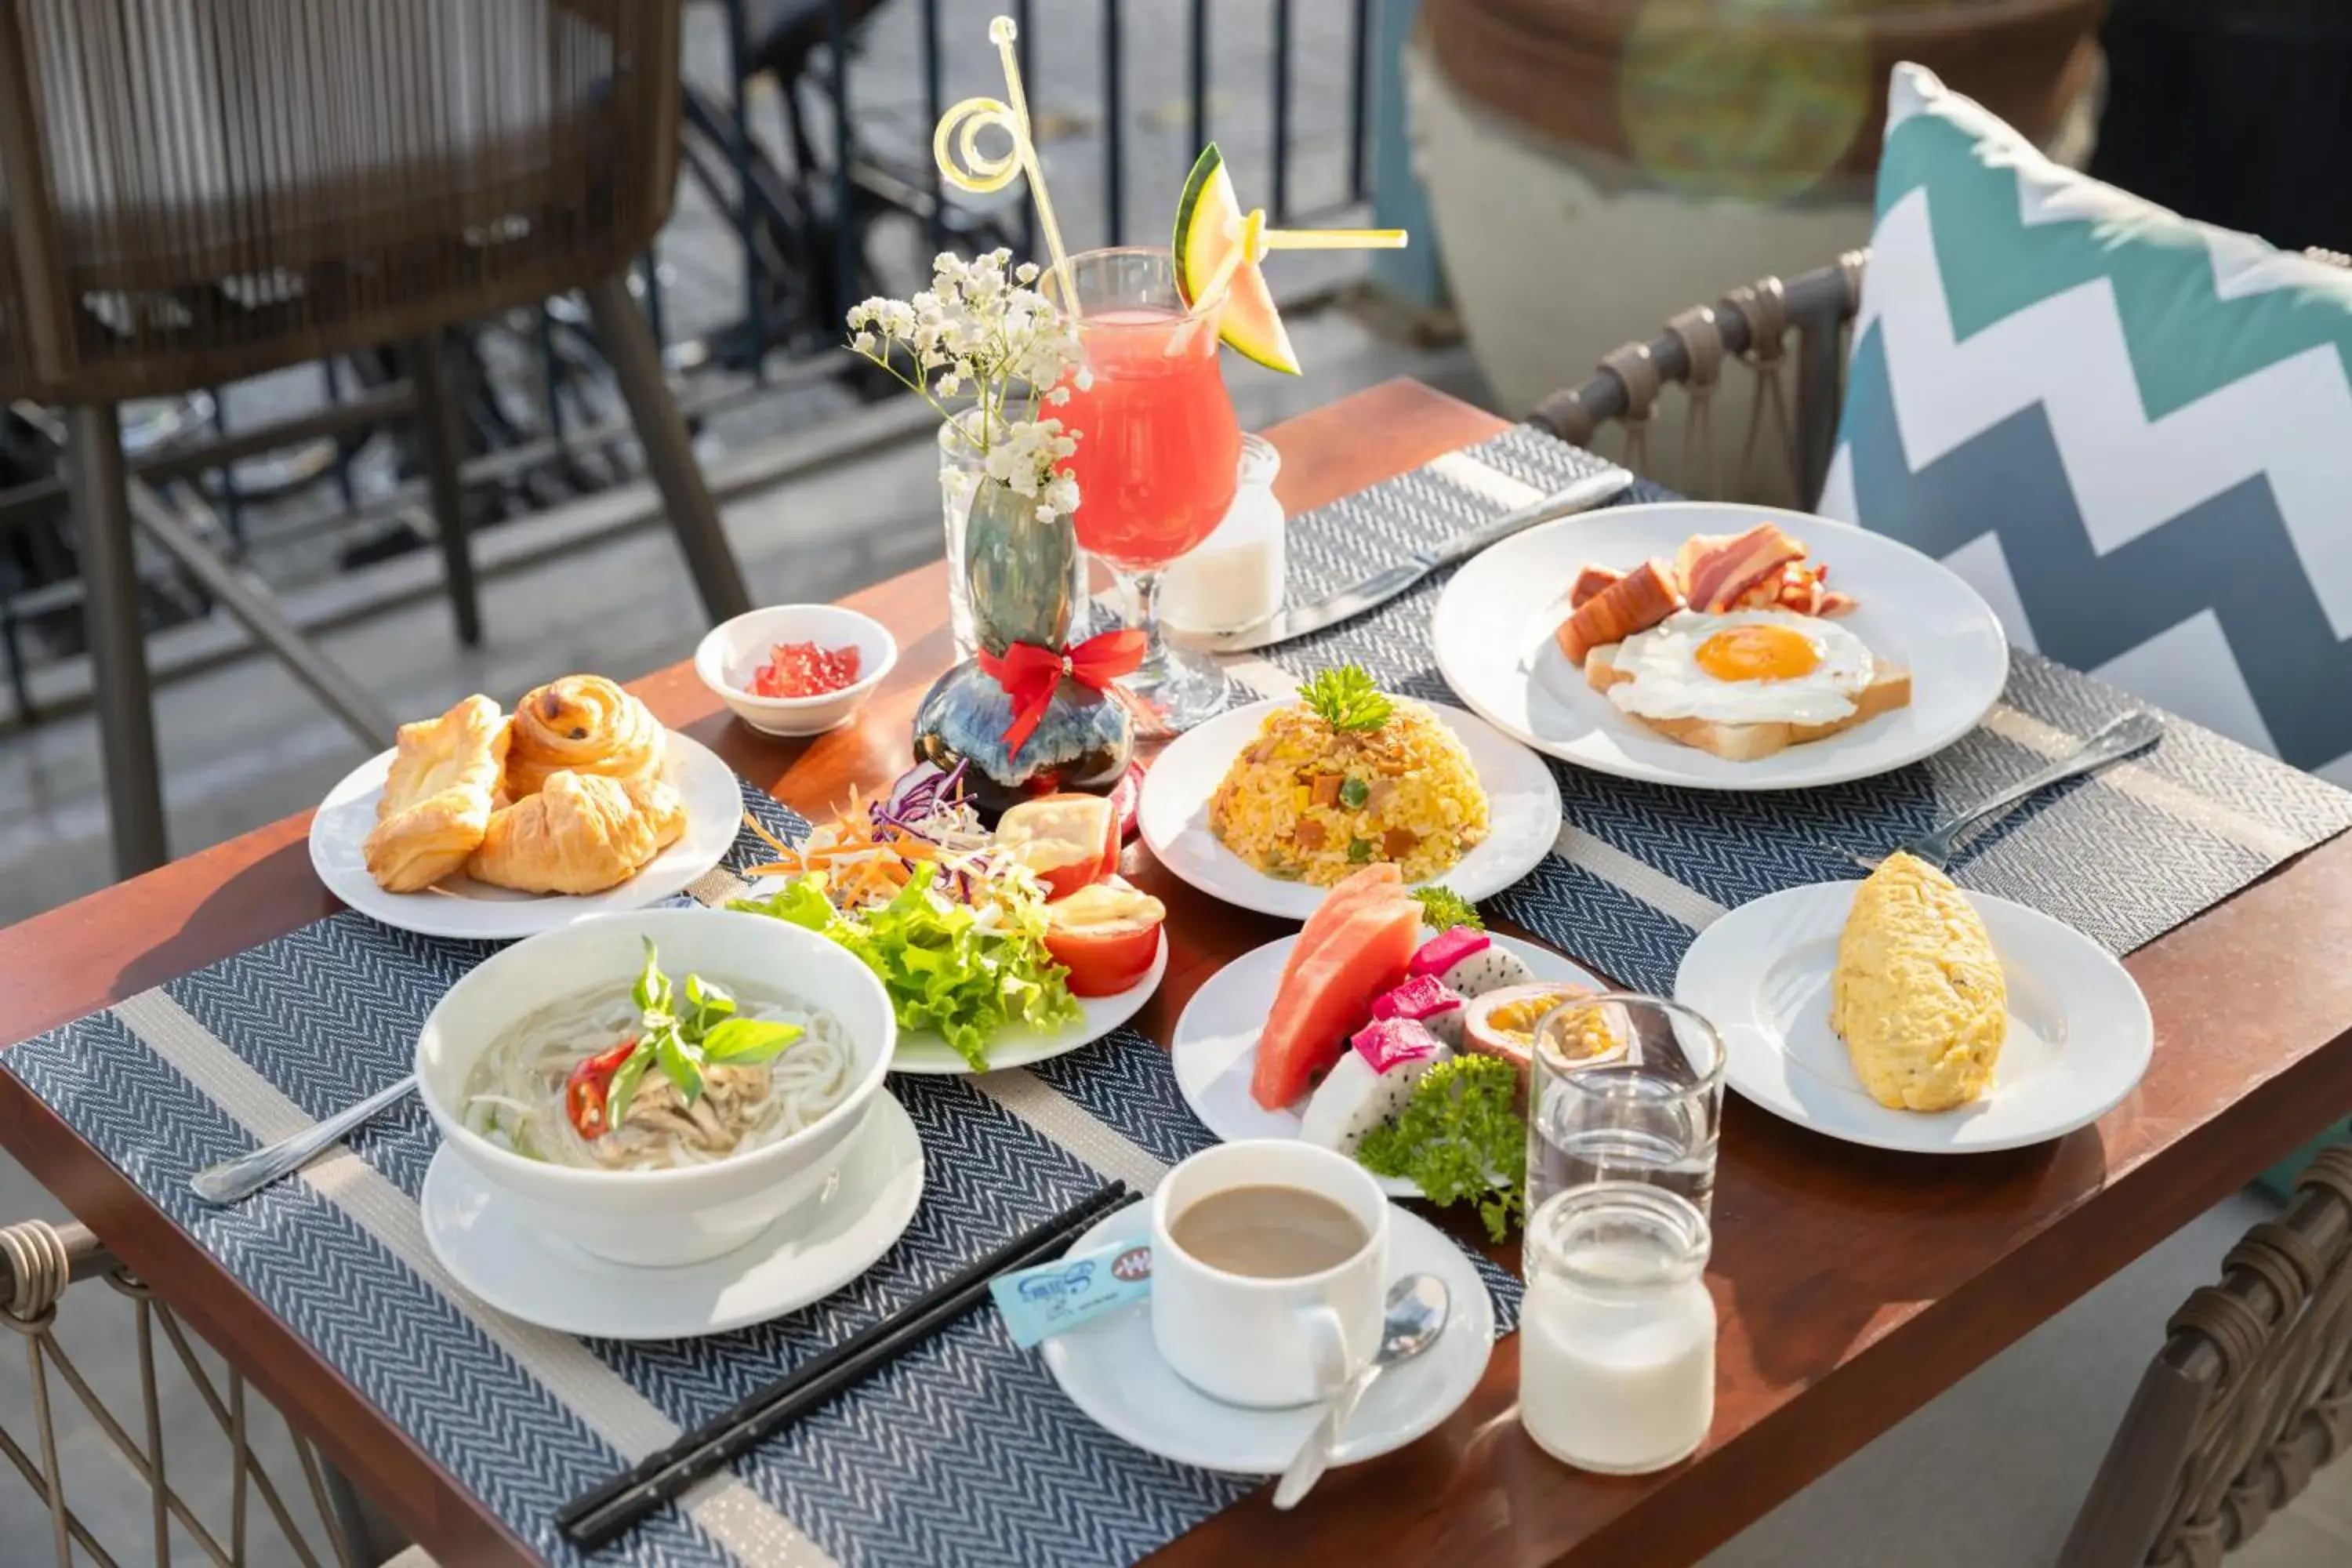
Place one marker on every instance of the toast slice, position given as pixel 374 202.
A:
pixel 1889 688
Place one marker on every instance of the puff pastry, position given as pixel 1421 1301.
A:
pixel 581 725
pixel 438 796
pixel 581 833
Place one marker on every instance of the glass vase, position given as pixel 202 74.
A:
pixel 962 472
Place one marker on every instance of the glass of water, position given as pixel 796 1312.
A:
pixel 1624 1088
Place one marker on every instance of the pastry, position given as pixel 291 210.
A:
pixel 438 796
pixel 1917 994
pixel 582 833
pixel 584 724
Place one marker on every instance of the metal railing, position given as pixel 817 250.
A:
pixel 806 183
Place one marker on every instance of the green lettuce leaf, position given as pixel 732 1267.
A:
pixel 946 971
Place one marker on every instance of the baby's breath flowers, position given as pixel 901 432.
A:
pixel 982 332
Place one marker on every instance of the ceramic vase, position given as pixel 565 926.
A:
pixel 1022 576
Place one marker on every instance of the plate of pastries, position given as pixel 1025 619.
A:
pixel 481 823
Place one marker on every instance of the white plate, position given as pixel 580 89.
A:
pixel 1215 1047
pixel 1111 1371
pixel 459 906
pixel 488 1245
pixel 1097 1015
pixel 1493 634
pixel 1522 813
pixel 2079 1031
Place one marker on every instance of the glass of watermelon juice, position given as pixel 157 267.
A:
pixel 1159 453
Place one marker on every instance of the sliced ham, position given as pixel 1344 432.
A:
pixel 1640 600
pixel 1715 572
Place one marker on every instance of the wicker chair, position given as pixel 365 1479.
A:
pixel 198 191
pixel 2252 1392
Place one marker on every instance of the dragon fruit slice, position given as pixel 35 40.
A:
pixel 1491 968
pixel 1368 1085
pixel 1427 1001
pixel 1448 948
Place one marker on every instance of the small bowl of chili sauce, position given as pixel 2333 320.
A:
pixel 796 670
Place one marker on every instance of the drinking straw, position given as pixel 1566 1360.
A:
pixel 955 143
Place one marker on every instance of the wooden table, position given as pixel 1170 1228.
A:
pixel 1852 1286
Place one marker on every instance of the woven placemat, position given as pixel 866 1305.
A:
pixel 963 1452
pixel 2123 855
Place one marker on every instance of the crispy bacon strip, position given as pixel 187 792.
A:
pixel 1716 572
pixel 1640 600
pixel 1590 583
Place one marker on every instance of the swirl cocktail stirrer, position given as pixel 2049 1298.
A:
pixel 956 144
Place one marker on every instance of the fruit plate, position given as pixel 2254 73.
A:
pixel 1215 1047
pixel 1523 813
pixel 1097 1015
pixel 2079 1031
pixel 1493 635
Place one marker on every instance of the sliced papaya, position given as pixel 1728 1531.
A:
pixel 1210 226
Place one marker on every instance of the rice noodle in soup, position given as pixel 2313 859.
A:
pixel 514 1096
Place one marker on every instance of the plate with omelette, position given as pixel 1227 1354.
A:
pixel 1904 1013
pixel 481 823
pixel 1719 647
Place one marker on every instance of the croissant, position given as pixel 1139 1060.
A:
pixel 582 833
pixel 437 798
pixel 582 724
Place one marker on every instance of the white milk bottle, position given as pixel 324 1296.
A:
pixel 1233 579
pixel 1617 1334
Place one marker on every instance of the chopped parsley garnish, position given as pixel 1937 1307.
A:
pixel 1344 698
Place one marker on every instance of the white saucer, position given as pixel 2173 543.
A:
pixel 1215 1047
pixel 1523 814
pixel 1112 1373
pixel 460 907
pixel 1097 1015
pixel 813 1250
pixel 2079 1031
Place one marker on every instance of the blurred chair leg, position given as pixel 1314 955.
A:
pixel 118 645
pixel 629 347
pixel 444 450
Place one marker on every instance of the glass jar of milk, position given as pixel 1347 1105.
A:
pixel 1617 1335
pixel 1233 579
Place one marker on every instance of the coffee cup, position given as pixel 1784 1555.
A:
pixel 1270 1268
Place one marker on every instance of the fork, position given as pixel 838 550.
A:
pixel 2111 742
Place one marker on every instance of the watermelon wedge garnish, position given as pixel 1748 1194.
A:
pixel 1210 226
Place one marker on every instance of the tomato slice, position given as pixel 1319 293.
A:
pixel 1106 935
pixel 584 1088
pixel 1070 841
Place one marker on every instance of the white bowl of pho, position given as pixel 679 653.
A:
pixel 659 1085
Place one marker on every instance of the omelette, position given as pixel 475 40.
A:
pixel 1918 995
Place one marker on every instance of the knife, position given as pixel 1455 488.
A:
pixel 1581 494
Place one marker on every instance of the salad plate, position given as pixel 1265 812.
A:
pixel 1019 1047
pixel 1522 801
pixel 490 1246
pixel 1214 1049
pixel 1112 1372
pixel 460 907
pixel 2079 1033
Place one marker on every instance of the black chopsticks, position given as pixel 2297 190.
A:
pixel 603 1515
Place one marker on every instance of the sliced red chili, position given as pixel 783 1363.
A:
pixel 584 1089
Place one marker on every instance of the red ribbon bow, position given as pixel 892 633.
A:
pixel 1031 672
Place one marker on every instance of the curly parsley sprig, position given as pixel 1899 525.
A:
pixel 1460 1139
pixel 1443 908
pixel 1344 698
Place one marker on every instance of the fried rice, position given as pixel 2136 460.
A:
pixel 1306 802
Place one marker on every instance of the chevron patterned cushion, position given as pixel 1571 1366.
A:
pixel 2133 433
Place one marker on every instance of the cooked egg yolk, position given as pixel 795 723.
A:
pixel 1763 652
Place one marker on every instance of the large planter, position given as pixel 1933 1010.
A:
pixel 1594 166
